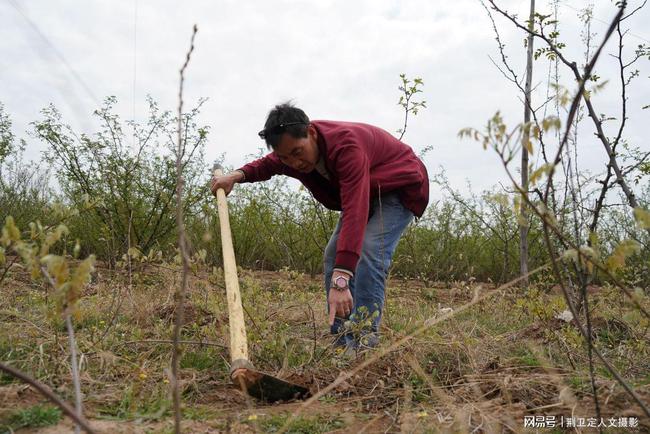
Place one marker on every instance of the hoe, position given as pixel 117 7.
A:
pixel 255 383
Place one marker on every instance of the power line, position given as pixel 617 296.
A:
pixel 56 52
pixel 607 23
pixel 135 63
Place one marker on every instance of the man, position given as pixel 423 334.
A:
pixel 378 184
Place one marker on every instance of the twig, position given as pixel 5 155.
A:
pixel 75 368
pixel 4 273
pixel 629 194
pixel 548 225
pixel 580 94
pixel 168 341
pixel 523 228
pixel 590 345
pixel 118 293
pixel 46 392
pixel 73 355
pixel 313 322
pixel 584 332
pixel 182 243
pixel 344 376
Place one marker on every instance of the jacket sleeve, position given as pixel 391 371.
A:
pixel 353 170
pixel 262 169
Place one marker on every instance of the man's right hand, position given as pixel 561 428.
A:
pixel 226 182
pixel 340 304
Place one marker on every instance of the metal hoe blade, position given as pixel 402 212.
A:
pixel 266 387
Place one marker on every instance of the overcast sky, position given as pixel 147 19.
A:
pixel 336 59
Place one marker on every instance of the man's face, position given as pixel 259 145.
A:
pixel 300 154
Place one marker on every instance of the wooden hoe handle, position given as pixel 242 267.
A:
pixel 238 344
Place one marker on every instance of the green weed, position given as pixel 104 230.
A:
pixel 201 360
pixel 149 405
pixel 527 358
pixel 36 416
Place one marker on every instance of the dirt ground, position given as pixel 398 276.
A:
pixel 487 368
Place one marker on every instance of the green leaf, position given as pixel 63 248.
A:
pixel 642 218
pixel 570 255
pixel 10 232
pixel 52 237
pixel 625 249
pixel 57 268
pixel 80 278
pixel 544 169
pixel 528 145
pixel 551 122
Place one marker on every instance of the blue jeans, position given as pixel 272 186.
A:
pixel 386 224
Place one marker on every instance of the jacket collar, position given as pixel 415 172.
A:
pixel 322 150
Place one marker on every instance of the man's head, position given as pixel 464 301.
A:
pixel 293 139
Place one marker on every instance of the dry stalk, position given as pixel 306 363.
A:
pixel 75 369
pixel 344 376
pixel 444 398
pixel 73 355
pixel 372 422
pixel 565 395
pixel 582 78
pixel 117 294
pixel 184 342
pixel 6 270
pixel 182 244
pixel 46 392
pixel 548 226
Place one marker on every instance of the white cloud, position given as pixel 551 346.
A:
pixel 337 59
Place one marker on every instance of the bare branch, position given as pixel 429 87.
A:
pixel 400 342
pixel 46 392
pixel 182 244
pixel 73 354
pixel 582 80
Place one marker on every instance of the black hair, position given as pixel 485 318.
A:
pixel 284 118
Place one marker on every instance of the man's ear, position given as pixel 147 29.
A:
pixel 312 133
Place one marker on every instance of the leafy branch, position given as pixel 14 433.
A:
pixel 409 89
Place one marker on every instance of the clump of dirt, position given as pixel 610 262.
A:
pixel 538 329
pixel 192 314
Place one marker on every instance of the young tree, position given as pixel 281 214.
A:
pixel 582 262
pixel 133 189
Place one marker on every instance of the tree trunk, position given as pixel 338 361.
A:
pixel 523 224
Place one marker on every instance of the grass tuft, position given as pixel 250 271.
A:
pixel 35 416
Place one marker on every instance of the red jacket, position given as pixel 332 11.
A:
pixel 363 161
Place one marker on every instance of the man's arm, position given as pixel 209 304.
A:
pixel 353 170
pixel 259 170
pixel 262 169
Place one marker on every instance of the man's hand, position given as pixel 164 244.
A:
pixel 226 182
pixel 340 302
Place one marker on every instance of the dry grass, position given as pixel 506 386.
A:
pixel 481 370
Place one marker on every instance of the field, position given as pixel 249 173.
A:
pixel 481 369
pixel 111 291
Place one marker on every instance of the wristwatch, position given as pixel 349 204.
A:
pixel 341 283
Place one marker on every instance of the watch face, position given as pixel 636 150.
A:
pixel 341 282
